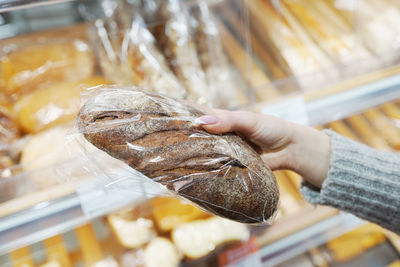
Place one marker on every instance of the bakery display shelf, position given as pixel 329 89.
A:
pixel 309 237
pixel 32 218
pixel 345 103
pixel 10 5
pixel 59 215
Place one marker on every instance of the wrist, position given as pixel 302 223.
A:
pixel 310 154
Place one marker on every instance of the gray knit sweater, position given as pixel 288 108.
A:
pixel 362 181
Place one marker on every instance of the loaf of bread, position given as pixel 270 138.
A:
pixel 159 137
pixel 28 66
pixel 51 105
pixel 180 51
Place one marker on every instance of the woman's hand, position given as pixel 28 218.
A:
pixel 284 145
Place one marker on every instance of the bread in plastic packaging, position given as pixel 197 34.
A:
pixel 26 66
pixel 9 129
pixel 219 72
pixel 175 38
pixel 159 137
pixel 129 56
pixel 52 105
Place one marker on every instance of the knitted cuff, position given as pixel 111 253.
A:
pixel 361 180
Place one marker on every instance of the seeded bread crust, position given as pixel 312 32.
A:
pixel 157 136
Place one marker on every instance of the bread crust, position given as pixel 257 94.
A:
pixel 158 136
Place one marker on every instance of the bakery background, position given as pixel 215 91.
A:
pixel 325 63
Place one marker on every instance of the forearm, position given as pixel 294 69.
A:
pixel 362 181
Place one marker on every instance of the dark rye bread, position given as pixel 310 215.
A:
pixel 158 136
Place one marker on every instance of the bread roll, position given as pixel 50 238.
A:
pixel 53 105
pixel 161 252
pixel 25 68
pixel 180 50
pixel 198 238
pixel 159 137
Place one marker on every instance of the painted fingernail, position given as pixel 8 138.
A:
pixel 207 119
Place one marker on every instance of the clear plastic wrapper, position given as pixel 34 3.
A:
pixel 213 59
pixel 334 36
pixel 294 50
pixel 130 57
pixel 52 105
pixel 159 137
pixel 31 63
pixel 175 37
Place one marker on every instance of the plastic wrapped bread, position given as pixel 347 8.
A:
pixel 129 56
pixel 51 105
pixel 159 137
pixel 334 36
pixel 180 50
pixel 303 57
pixel 214 62
pixel 27 65
pixel 148 63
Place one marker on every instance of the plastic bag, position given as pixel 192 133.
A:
pixel 129 56
pixel 27 65
pixel 51 105
pixel 215 64
pixel 159 137
pixel 175 37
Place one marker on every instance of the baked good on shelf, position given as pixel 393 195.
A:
pixel 130 56
pixel 169 212
pixel 180 51
pixel 161 252
pixel 215 64
pixel 60 155
pixel 26 66
pixel 132 231
pixel 9 129
pixel 52 263
pixel 159 137
pixel 52 105
pixel 198 238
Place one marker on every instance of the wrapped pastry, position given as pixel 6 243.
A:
pixel 159 137
pixel 334 36
pixel 9 129
pixel 285 37
pixel 26 66
pixel 51 105
pixel 56 155
pixel 180 50
pixel 130 57
pixel 214 62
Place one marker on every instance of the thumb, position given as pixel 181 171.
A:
pixel 227 121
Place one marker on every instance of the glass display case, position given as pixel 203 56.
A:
pixel 329 64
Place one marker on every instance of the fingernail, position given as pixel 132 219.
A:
pixel 207 119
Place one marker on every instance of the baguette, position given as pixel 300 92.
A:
pixel 159 137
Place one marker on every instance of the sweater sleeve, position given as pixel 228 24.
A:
pixel 362 181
